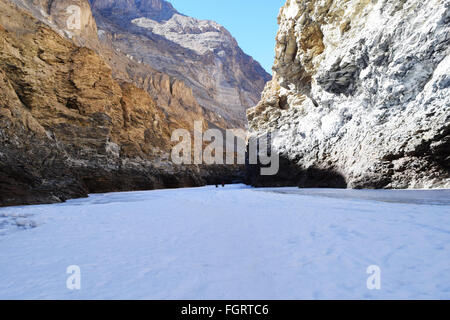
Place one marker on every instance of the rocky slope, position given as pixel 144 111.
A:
pixel 69 124
pixel 203 85
pixel 171 94
pixel 360 95
pixel 224 80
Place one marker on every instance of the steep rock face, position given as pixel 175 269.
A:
pixel 202 54
pixel 154 9
pixel 360 95
pixel 171 94
pixel 67 127
pixel 71 18
pixel 216 91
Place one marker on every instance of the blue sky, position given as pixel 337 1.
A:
pixel 252 22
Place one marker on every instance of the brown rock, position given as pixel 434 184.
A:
pixel 68 128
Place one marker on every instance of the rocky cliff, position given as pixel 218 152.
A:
pixel 189 67
pixel 70 124
pixel 360 95
pixel 203 54
pixel 171 94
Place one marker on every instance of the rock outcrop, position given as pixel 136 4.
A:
pixel 360 95
pixel 202 54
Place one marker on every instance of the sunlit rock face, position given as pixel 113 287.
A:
pixel 361 89
pixel 203 54
pixel 71 18
pixel 206 78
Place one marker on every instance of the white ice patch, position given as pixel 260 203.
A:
pixel 292 10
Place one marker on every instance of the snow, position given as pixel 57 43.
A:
pixel 230 243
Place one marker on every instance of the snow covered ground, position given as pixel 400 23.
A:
pixel 232 243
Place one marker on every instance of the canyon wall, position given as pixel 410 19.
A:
pixel 77 117
pixel 190 67
pixel 360 95
pixel 171 94
pixel 201 53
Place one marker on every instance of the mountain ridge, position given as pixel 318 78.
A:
pixel 224 80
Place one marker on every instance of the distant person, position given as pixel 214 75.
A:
pixel 223 184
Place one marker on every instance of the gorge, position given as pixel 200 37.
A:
pixel 82 112
pixel 338 188
pixel 359 96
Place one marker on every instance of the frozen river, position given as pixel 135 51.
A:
pixel 230 243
